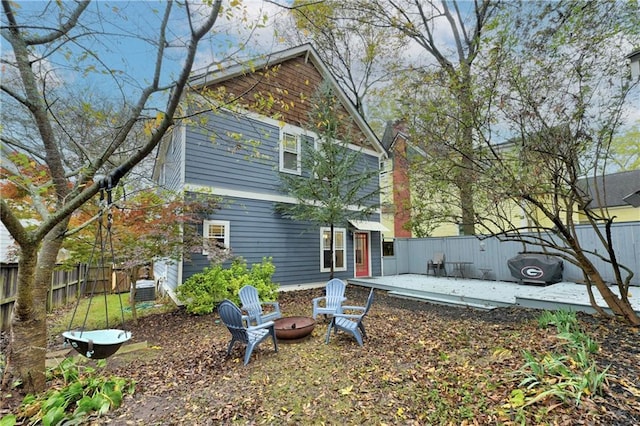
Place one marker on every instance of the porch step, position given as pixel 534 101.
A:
pixel 425 297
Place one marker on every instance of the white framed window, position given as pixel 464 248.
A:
pixel 290 153
pixel 215 233
pixel 339 249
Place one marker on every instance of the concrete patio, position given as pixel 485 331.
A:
pixel 481 294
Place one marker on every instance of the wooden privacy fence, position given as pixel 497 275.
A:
pixel 65 287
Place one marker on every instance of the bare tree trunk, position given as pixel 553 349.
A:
pixel 592 299
pixel 133 278
pixel 615 303
pixel 619 308
pixel 28 346
pixel 465 184
pixel 28 343
pixel 465 180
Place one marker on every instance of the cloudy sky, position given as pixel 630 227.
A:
pixel 239 33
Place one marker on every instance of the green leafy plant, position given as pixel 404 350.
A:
pixel 261 274
pixel 564 320
pixel 567 376
pixel 580 341
pixel 77 393
pixel 8 420
pixel 201 292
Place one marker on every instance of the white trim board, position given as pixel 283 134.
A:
pixel 248 195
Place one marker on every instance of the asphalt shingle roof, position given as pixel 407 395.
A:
pixel 609 190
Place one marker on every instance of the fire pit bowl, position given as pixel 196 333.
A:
pixel 292 328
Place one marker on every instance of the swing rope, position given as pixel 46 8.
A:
pixel 103 343
pixel 113 257
pixel 102 242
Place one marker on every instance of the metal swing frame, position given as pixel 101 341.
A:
pixel 98 344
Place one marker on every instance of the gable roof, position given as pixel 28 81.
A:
pixel 610 190
pixel 310 55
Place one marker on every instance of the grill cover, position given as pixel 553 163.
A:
pixel 536 268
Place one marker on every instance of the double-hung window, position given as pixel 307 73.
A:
pixel 339 249
pixel 215 233
pixel 290 152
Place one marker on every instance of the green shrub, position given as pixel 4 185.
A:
pixel 261 274
pixel 200 290
pixel 203 291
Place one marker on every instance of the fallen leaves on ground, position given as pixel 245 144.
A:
pixel 421 364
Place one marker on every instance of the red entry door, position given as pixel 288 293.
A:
pixel 362 254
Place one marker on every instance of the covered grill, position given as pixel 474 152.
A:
pixel 536 268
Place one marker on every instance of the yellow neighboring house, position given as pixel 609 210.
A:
pixel 616 195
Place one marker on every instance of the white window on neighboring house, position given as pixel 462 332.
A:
pixel 290 153
pixel 339 252
pixel 215 233
pixel 386 169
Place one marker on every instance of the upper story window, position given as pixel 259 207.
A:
pixel 290 151
pixel 215 233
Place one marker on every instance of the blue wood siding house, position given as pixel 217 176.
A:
pixel 236 152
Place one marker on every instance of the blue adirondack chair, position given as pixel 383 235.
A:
pixel 351 323
pixel 252 305
pixel 232 317
pixel 330 303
